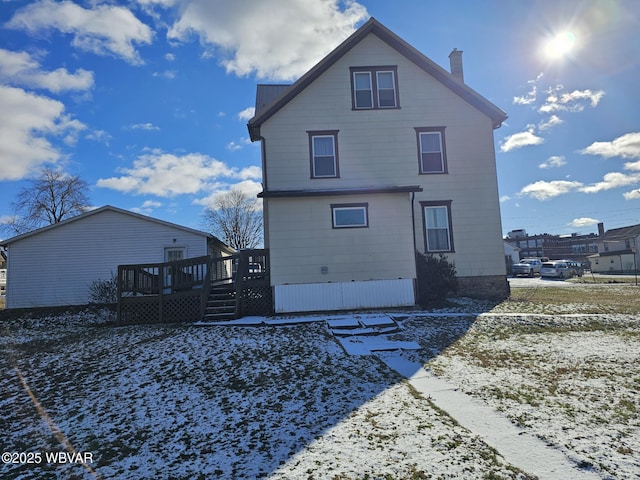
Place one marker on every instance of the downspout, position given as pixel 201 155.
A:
pixel 265 188
pixel 415 248
pixel 263 154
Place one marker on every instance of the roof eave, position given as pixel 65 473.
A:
pixel 497 115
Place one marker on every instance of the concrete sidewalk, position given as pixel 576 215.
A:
pixel 517 447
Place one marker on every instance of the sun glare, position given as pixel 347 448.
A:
pixel 560 45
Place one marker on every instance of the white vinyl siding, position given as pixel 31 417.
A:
pixel 316 297
pixel 57 266
pixel 303 241
pixel 379 148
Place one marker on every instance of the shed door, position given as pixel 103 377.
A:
pixel 171 254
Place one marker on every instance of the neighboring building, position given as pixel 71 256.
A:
pixel 56 264
pixel 555 247
pixel 618 249
pixel 375 153
pixel 3 272
pixel 511 255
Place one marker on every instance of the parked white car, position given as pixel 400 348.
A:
pixel 556 270
pixel 526 266
pixel 3 280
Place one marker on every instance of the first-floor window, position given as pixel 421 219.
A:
pixel 437 224
pixel 350 215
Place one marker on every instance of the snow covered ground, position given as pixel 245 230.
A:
pixel 286 401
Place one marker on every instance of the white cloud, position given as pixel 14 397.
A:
pixel 543 190
pixel 99 136
pixel 249 187
pixel 101 29
pixel 170 74
pixel 554 161
pixel 625 146
pixel 170 57
pixel 167 175
pixel 632 195
pixel 275 39
pixel 531 96
pixel 519 140
pixel 235 146
pixel 612 180
pixel 147 207
pixel 21 69
pixel 247 113
pixel 504 198
pixel 27 122
pixel 552 121
pixel 144 126
pixel 575 101
pixel 583 222
pixel 632 165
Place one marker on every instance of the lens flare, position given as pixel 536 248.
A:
pixel 560 45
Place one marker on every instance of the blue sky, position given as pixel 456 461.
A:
pixel 147 100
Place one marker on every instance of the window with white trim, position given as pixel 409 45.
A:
pixel 437 226
pixel 350 215
pixel 431 150
pixel 374 87
pixel 323 150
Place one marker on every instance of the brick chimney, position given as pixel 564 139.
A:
pixel 455 60
pixel 601 229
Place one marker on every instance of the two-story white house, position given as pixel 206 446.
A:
pixel 372 155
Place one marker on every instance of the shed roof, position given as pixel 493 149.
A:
pixel 97 211
pixel 280 95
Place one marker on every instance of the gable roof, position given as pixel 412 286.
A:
pixel 372 26
pixel 621 233
pixel 97 211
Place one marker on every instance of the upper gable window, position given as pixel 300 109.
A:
pixel 374 87
pixel 431 150
pixel 323 149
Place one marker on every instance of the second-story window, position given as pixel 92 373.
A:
pixel 432 153
pixel 374 87
pixel 323 151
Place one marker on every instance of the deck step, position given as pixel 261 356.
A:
pixel 221 304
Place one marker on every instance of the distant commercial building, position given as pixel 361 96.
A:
pixel 571 247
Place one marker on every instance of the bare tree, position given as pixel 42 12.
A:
pixel 49 198
pixel 236 219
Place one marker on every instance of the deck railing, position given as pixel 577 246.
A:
pixel 179 290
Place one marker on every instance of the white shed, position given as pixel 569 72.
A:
pixel 56 264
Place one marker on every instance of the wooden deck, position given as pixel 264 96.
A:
pixel 202 288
